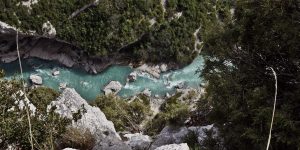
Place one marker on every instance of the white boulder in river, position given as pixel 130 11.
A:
pixel 92 119
pixel 132 76
pixel 35 79
pixel 112 87
pixel 182 146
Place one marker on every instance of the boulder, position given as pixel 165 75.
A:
pixel 177 135
pixel 147 92
pixel 55 72
pixel 132 77
pixel 48 29
pixel 163 67
pixel 112 87
pixel 170 135
pixel 152 70
pixel 92 119
pixel 138 141
pixel 180 85
pixel 35 79
pixel 62 86
pixel 182 146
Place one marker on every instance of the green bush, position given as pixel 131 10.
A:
pixel 47 126
pixel 125 115
pixel 173 112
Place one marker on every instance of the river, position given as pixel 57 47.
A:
pixel 89 86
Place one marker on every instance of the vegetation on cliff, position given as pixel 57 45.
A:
pixel 47 126
pixel 240 89
pixel 145 29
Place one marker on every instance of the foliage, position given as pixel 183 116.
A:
pixel 125 115
pixel 173 112
pixel 240 88
pixel 119 26
pixel 77 138
pixel 192 140
pixel 46 126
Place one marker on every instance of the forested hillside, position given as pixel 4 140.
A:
pixel 240 84
pixel 149 30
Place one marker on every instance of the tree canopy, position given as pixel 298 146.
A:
pixel 240 85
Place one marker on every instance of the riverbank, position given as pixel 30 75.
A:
pixel 32 45
pixel 89 85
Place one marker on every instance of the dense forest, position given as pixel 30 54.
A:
pixel 243 41
pixel 240 84
pixel 148 30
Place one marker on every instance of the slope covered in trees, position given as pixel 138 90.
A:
pixel 240 85
pixel 146 29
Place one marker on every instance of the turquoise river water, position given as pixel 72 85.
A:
pixel 89 86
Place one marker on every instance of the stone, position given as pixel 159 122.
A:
pixel 176 135
pixel 163 67
pixel 147 92
pixel 152 70
pixel 168 95
pixel 93 119
pixel 182 146
pixel 180 85
pixel 132 77
pixel 62 85
pixel 170 135
pixel 55 72
pixel 35 79
pixel 138 141
pixel 48 29
pixel 112 87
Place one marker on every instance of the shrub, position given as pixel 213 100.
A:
pixel 173 112
pixel 77 138
pixel 125 115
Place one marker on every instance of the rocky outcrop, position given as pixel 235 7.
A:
pixel 175 135
pixel 147 92
pixel 48 48
pixel 92 119
pixel 35 79
pixel 182 146
pixel 132 77
pixel 138 141
pixel 112 87
pixel 55 72
pixel 152 70
pixel 48 29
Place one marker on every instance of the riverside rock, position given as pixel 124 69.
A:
pixel 147 92
pixel 163 67
pixel 55 73
pixel 112 87
pixel 92 119
pixel 35 79
pixel 132 77
pixel 152 70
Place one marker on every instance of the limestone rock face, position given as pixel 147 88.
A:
pixel 152 70
pixel 112 87
pixel 138 141
pixel 175 135
pixel 132 77
pixel 93 119
pixel 147 92
pixel 48 29
pixel 35 79
pixel 182 146
pixel 163 67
